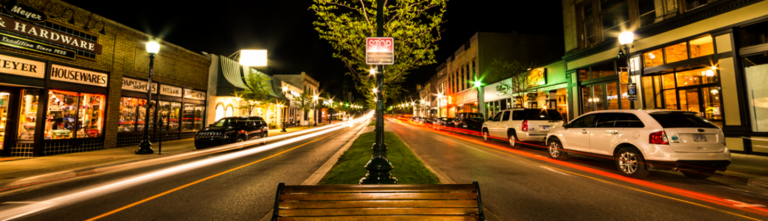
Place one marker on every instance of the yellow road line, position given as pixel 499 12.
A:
pixel 201 180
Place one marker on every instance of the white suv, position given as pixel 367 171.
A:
pixel 639 140
pixel 526 125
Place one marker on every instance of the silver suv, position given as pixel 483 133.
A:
pixel 522 125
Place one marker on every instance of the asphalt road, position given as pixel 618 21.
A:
pixel 243 190
pixel 523 184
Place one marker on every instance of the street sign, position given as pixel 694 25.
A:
pixel 632 91
pixel 380 50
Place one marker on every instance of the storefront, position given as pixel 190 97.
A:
pixel 50 108
pixel 180 111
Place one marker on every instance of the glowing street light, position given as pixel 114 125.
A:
pixel 625 39
pixel 253 58
pixel 145 147
pixel 375 90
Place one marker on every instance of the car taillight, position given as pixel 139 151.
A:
pixel 659 137
pixel 242 131
pixel 525 125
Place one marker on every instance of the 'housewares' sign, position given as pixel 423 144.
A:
pixel 78 76
pixel 170 90
pixel 193 94
pixel 137 85
pixel 23 67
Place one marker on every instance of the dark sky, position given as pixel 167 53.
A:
pixel 284 27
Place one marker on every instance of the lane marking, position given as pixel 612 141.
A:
pixel 486 146
pixel 204 179
pixel 743 204
pixel 553 170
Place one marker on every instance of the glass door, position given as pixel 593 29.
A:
pixel 4 100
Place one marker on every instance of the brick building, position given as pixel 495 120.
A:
pixel 75 81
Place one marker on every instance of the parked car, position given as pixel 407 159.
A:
pixel 442 122
pixel 522 125
pixel 231 130
pixel 416 120
pixel 640 140
pixel 471 121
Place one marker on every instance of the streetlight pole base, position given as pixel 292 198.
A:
pixel 145 147
pixel 378 168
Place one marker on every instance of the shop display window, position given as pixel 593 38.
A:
pixel 677 52
pixel 604 69
pixel 170 116
pixel 702 46
pixel 653 58
pixel 756 72
pixel 199 115
pixel 612 96
pixel 61 116
pixel 4 99
pixel 128 115
pixel 648 92
pixel 692 90
pixel 28 113
pixel 192 117
pixel 141 112
pixel 91 115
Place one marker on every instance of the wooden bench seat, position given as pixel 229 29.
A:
pixel 379 202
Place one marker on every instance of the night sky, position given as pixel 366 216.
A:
pixel 284 27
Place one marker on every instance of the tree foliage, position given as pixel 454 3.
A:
pixel 519 73
pixel 304 102
pixel 414 24
pixel 257 92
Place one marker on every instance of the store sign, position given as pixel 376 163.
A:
pixel 30 30
pixel 78 76
pixel 380 50
pixel 502 89
pixel 25 12
pixel 30 45
pixel 170 90
pixel 193 94
pixel 23 67
pixel 137 85
pixel 537 77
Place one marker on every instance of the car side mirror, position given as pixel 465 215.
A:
pixel 566 125
pixel 210 125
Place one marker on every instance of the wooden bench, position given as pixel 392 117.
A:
pixel 379 202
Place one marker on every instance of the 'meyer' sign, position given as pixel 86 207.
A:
pixel 380 50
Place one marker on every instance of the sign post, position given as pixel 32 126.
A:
pixel 379 51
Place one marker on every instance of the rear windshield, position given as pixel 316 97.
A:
pixel 542 114
pixel 681 119
pixel 476 116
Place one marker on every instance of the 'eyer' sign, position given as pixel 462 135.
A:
pixel 380 50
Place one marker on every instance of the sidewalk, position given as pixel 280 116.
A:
pixel 13 170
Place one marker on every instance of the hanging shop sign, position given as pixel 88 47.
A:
pixel 537 77
pixel 23 67
pixel 30 45
pixel 137 85
pixel 170 90
pixel 194 94
pixel 78 76
pixel 380 50
pixel 24 12
pixel 35 31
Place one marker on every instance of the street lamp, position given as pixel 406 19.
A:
pixel 145 147
pixel 285 107
pixel 315 99
pixel 330 114
pixel 625 39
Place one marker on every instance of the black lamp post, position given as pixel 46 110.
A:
pixel 145 147
pixel 315 106
pixel 625 39
pixel 285 108
pixel 378 167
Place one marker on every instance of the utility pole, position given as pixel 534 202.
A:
pixel 379 166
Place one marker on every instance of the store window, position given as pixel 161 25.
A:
pixel 230 111
pixel 219 111
pixel 5 98
pixel 702 46
pixel 28 113
pixel 653 58
pixel 588 24
pixel 647 12
pixel 756 71
pixel 90 115
pixel 192 117
pixel 169 116
pixel 614 17
pixel 693 90
pixel 699 47
pixel 677 52
pixel 143 118
pixel 753 34
pixel 128 115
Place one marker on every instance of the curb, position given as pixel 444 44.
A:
pixel 444 178
pixel 318 175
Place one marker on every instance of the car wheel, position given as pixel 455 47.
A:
pixel 698 174
pixel 263 138
pixel 513 141
pixel 556 150
pixel 485 135
pixel 239 139
pixel 631 163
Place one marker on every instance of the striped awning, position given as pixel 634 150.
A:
pixel 231 71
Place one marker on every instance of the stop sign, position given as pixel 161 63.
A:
pixel 379 50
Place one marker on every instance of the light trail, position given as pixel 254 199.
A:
pixel 763 211
pixel 104 189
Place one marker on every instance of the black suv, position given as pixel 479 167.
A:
pixel 471 121
pixel 231 130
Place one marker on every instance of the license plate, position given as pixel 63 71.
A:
pixel 699 138
pixel 465 126
pixel 545 127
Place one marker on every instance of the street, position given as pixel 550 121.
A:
pixel 524 184
pixel 241 186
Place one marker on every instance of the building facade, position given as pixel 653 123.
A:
pixel 302 82
pixel 75 81
pixel 705 56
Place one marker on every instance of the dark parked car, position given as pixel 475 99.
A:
pixel 231 130
pixel 471 121
pixel 442 122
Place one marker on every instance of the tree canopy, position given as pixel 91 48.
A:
pixel 414 24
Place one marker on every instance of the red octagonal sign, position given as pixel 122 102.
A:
pixel 380 50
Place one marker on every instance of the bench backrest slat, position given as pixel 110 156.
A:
pixel 378 204
pixel 379 188
pixel 382 218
